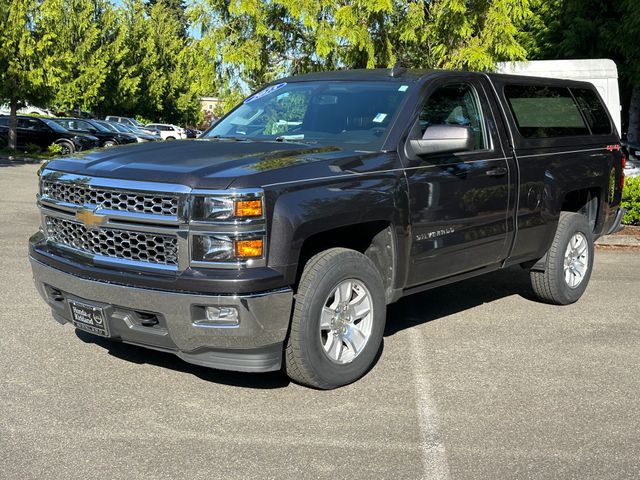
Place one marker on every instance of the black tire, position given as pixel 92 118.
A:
pixel 550 286
pixel 109 143
pixel 306 361
pixel 67 147
pixel 170 138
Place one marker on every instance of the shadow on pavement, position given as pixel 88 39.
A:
pixel 406 313
pixel 457 297
pixel 141 355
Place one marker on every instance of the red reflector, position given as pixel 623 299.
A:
pixel 624 164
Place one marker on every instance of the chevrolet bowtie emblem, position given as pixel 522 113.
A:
pixel 89 218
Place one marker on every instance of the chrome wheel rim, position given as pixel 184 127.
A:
pixel 576 260
pixel 346 321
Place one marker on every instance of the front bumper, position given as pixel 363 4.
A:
pixel 254 345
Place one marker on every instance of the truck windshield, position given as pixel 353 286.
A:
pixel 356 114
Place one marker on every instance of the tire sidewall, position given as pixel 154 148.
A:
pixel 575 223
pixel 346 266
pixel 67 145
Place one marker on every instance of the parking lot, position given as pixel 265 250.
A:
pixel 475 380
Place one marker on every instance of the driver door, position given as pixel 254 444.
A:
pixel 459 201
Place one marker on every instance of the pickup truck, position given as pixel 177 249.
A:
pixel 278 238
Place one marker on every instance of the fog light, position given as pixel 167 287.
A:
pixel 223 316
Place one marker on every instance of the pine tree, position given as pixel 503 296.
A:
pixel 84 40
pixel 22 61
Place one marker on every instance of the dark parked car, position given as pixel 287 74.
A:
pixel 106 137
pixel 126 137
pixel 191 133
pixel 44 132
pixel 141 136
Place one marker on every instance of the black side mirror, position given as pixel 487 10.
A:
pixel 443 139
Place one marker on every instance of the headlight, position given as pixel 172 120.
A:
pixel 228 208
pixel 224 248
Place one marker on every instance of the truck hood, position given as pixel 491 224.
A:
pixel 198 163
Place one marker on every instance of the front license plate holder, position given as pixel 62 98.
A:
pixel 89 318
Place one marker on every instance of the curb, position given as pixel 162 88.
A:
pixel 619 241
pixel 18 160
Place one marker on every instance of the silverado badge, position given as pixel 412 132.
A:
pixel 88 218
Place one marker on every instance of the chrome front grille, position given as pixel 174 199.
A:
pixel 114 243
pixel 110 199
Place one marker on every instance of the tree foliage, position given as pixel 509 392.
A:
pixel 256 41
pixel 141 57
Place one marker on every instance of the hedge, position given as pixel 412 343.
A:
pixel 631 201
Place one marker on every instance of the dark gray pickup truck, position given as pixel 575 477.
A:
pixel 278 238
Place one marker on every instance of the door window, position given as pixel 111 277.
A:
pixel 31 124
pixel 455 104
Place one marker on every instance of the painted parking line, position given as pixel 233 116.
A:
pixel 434 454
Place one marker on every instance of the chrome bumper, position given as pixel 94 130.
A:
pixel 254 345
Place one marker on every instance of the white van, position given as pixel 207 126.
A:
pixel 602 73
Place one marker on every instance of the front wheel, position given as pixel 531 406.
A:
pixel 109 143
pixel 67 148
pixel 569 262
pixel 338 320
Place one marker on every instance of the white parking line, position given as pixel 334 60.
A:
pixel 434 455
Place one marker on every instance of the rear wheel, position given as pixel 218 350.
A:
pixel 569 262
pixel 170 138
pixel 338 320
pixel 110 143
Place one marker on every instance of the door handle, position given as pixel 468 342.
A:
pixel 497 172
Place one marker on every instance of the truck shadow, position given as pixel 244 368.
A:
pixel 451 299
pixel 410 311
pixel 141 355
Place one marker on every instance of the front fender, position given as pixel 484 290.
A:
pixel 303 210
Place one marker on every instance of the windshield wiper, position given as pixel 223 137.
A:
pixel 294 139
pixel 229 137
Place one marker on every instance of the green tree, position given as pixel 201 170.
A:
pixel 23 63
pixel 257 41
pixel 85 41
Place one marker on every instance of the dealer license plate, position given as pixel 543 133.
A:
pixel 89 318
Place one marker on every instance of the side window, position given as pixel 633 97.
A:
pixel 30 124
pixel 593 110
pixel 455 104
pixel 545 112
pixel 4 120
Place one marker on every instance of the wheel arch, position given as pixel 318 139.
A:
pixel 371 221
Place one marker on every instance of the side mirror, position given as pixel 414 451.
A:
pixel 443 139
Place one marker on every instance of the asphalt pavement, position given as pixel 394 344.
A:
pixel 476 380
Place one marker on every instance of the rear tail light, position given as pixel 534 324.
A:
pixel 623 161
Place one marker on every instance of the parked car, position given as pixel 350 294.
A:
pixel 126 137
pixel 44 132
pixel 129 121
pixel 192 133
pixel 168 131
pixel 141 136
pixel 279 238
pixel 106 137
pixel 26 110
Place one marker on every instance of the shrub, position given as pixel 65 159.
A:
pixel 142 120
pixel 32 148
pixel 631 201
pixel 55 149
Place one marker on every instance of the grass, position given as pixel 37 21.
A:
pixel 7 152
